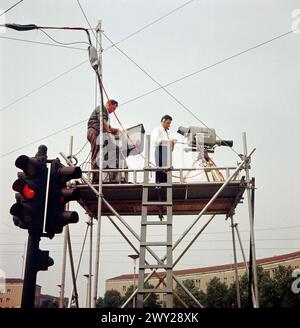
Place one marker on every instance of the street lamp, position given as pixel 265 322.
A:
pixel 134 257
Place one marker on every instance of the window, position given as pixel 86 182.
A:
pixel 7 299
pixel 124 288
pixel 8 291
pixel 0 300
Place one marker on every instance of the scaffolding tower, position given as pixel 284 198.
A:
pixel 220 195
pixel 143 199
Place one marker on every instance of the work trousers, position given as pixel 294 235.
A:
pixel 161 153
pixel 110 151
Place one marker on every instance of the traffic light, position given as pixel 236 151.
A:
pixel 28 211
pixel 59 196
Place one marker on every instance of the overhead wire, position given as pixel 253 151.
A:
pixel 43 85
pixel 43 138
pixel 167 84
pixel 85 16
pixel 140 96
pixel 42 43
pixel 184 241
pixel 10 8
pixel 162 87
pixel 175 234
pixel 62 43
pixel 151 23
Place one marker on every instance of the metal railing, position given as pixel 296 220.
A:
pixel 179 174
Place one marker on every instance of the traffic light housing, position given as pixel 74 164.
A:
pixel 59 195
pixel 28 211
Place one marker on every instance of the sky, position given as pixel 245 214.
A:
pixel 256 92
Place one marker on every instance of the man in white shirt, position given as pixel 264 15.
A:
pixel 160 137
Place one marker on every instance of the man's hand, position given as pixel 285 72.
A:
pixel 113 131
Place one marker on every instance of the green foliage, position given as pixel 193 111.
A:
pixel 112 299
pixel 274 291
pixel 49 304
pixel 216 294
pixel 150 302
pixel 190 285
pixel 100 303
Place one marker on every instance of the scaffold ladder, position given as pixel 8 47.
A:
pixel 145 244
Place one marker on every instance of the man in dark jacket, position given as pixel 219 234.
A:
pixel 108 132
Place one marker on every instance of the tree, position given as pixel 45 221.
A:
pixel 49 304
pixel 150 302
pixel 277 291
pixel 100 302
pixel 190 285
pixel 112 299
pixel 216 294
pixel 274 292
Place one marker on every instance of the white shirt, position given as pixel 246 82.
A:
pixel 158 135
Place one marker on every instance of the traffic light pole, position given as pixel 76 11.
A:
pixel 31 270
pixel 64 261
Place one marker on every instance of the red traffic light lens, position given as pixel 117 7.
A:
pixel 28 193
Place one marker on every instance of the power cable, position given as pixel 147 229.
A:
pixel 43 85
pixel 10 8
pixel 163 88
pixel 42 43
pixel 186 241
pixel 63 43
pixel 43 138
pixel 178 250
pixel 81 149
pixel 151 23
pixel 92 29
pixel 175 234
pixel 140 96
pixel 85 16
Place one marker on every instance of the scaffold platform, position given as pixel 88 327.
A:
pixel 188 198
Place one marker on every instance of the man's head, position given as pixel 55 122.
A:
pixel 111 105
pixel 166 121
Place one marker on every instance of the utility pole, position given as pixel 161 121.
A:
pixel 100 164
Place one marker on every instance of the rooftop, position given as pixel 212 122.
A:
pixel 267 260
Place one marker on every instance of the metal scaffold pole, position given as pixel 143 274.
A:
pixel 251 222
pixel 237 284
pixel 100 164
pixel 89 301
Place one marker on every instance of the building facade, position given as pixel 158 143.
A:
pixel 202 276
pixel 11 295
